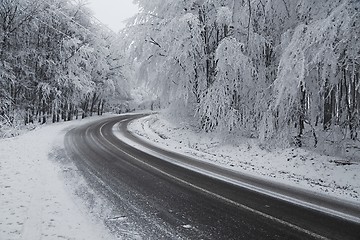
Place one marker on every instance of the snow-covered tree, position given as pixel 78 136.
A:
pixel 269 68
pixel 53 57
pixel 228 102
pixel 317 79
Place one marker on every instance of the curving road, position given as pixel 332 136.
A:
pixel 155 194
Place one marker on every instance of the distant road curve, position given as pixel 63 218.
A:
pixel 165 195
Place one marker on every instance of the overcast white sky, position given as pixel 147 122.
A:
pixel 113 12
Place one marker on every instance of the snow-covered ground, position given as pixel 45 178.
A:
pixel 294 166
pixel 42 197
pixel 36 201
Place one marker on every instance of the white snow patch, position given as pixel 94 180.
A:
pixel 34 201
pixel 187 226
pixel 293 166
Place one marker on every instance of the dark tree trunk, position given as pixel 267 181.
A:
pixel 99 108
pixel 71 112
pixel 327 106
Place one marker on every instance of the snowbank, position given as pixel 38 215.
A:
pixel 294 166
pixel 35 202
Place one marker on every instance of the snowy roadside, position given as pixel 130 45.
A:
pixel 293 166
pixel 35 199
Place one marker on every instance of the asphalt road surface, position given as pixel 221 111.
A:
pixel 157 195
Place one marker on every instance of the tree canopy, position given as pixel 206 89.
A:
pixel 267 68
pixel 56 61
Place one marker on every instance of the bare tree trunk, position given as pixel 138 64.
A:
pixel 102 107
pixel 85 106
pixel 54 113
pixel 71 112
pixel 327 106
pixel 43 112
pixel 302 112
pixel 94 100
pixel 99 108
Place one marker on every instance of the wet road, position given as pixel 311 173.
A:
pixel 162 199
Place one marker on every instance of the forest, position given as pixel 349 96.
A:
pixel 56 62
pixel 283 71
